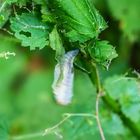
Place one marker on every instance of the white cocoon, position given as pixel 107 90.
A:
pixel 63 78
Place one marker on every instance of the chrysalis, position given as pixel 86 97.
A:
pixel 63 78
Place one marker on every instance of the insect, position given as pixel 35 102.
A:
pixel 63 78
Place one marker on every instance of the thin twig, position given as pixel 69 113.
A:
pixel 81 68
pixel 137 74
pixel 6 54
pixel 99 94
pixel 48 130
pixel 67 116
pixel 2 6
pixel 27 136
pixel 97 116
pixel 52 129
pixel 27 9
pixel 5 30
pixel 79 115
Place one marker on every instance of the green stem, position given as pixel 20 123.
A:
pixel 93 74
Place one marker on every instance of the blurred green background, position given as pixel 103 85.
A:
pixel 27 104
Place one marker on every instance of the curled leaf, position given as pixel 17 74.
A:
pixel 56 44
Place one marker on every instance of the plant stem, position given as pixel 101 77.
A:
pixel 93 73
pixel 97 117
pixel 99 94
pixel 95 78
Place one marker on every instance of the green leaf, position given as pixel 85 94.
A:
pixel 79 18
pixel 127 12
pixel 126 92
pixel 56 43
pixel 30 30
pixel 111 120
pixel 102 52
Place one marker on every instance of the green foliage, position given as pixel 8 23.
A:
pixel 102 52
pixel 45 14
pixel 5 11
pixel 17 2
pixel 79 128
pixel 125 91
pixel 11 1
pixel 25 79
pixel 30 30
pixel 127 12
pixel 56 44
pixel 80 19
